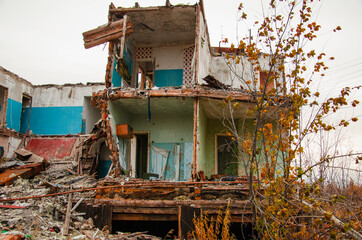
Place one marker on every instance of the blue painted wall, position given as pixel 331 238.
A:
pixel 44 120
pixel 116 78
pixel 103 168
pixel 13 114
pixel 24 120
pixel 168 78
pixel 56 120
pixel 170 167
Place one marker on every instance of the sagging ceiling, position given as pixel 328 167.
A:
pixel 164 26
pixel 162 106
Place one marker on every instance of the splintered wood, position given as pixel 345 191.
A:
pixel 105 33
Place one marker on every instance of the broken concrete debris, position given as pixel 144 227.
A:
pixel 43 218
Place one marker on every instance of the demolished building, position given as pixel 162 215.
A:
pixel 164 113
pixel 43 110
pixel 163 143
pixel 165 89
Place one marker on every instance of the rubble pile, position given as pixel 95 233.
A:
pixel 36 215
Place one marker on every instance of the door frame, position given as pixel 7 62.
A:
pixel 216 154
pixel 133 151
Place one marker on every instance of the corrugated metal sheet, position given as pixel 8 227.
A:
pixel 51 148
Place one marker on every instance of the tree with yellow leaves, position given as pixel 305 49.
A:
pixel 285 205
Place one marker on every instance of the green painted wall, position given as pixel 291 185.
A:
pixel 214 126
pixel 207 140
pixel 174 127
pixel 120 115
pixel 165 128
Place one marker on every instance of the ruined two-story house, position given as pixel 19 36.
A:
pixel 165 93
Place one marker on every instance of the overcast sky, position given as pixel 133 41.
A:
pixel 41 40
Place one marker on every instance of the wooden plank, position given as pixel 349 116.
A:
pixel 116 26
pixel 9 176
pixel 171 203
pixel 106 39
pixel 194 156
pixel 179 223
pixel 100 35
pixel 123 35
pixel 145 210
pixel 182 93
pixel 25 171
pixel 125 10
pixel 143 217
pixel 107 217
pixel 77 204
pixel 67 216
pixel 187 215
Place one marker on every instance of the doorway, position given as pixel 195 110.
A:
pixel 226 154
pixel 145 76
pixel 105 161
pixel 25 113
pixel 140 145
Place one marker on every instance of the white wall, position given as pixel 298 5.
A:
pixel 91 114
pixel 237 75
pixel 204 51
pixel 16 86
pixel 168 57
pixel 56 96
pixel 12 146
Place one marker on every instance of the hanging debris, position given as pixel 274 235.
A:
pixel 105 33
pixel 214 83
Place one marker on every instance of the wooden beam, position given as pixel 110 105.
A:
pixel 179 223
pixel 143 217
pixel 111 27
pixel 172 203
pixel 67 216
pixel 187 215
pixel 125 10
pixel 107 32
pixel 123 38
pixel 145 210
pixel 105 39
pixel 134 93
pixel 194 157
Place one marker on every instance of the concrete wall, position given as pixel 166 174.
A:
pixel 205 57
pixel 58 110
pixel 168 66
pixel 172 64
pixel 241 74
pixel 16 88
pixel 166 128
pixel 169 126
pixel 90 114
